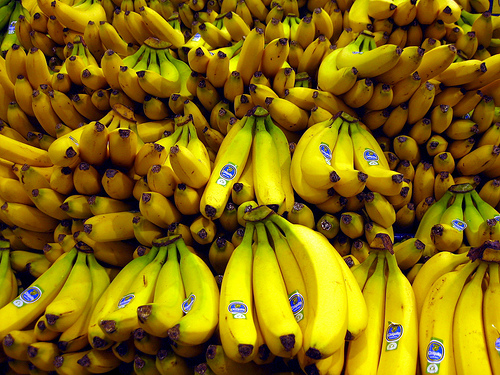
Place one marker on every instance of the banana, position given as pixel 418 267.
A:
pixel 168 361
pixel 41 354
pixel 228 167
pixel 65 309
pixel 236 25
pixel 22 153
pixel 367 160
pixel 119 323
pixel 251 54
pixel 49 202
pixel 478 160
pixel 334 80
pixel 490 300
pixel 379 209
pixel 93 141
pixel 107 302
pixel 401 352
pixel 307 192
pixel 15 343
pixel 357 17
pixel 157 317
pixel 86 179
pixel 202 302
pixel 468 329
pixel 284 160
pixel 43 291
pixel 160 78
pixel 191 163
pixel 437 266
pixel 98 361
pixel 406 148
pixel 368 344
pixel 301 214
pixel 11 190
pixel 435 327
pixel 436 61
pixel 236 323
pixel 77 18
pixel 266 178
pixel 28 217
pixel 75 337
pixel 66 363
pixel 218 362
pixel 283 339
pixel 158 209
pixel 323 342
pixel 350 55
pixel 420 102
pixel 461 73
pixel 484 113
pixel 44 112
pixel 110 227
pixel 432 216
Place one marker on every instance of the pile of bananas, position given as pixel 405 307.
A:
pixel 456 311
pixel 175 175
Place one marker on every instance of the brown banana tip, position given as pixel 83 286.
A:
pixel 288 342
pixel 313 353
pixel 245 350
pixel 58 360
pixel 174 332
pixel 311 369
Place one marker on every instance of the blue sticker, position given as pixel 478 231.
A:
pixel 228 172
pixel 371 156
pixel 125 300
pixel 394 332
pixel 238 308
pixel 12 28
pixel 326 152
pixel 497 345
pixel 296 302
pixel 458 224
pixel 435 351
pixel 31 294
pixel 188 303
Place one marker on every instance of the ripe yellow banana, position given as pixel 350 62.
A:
pixel 227 169
pixel 435 326
pixel 158 317
pixel 202 301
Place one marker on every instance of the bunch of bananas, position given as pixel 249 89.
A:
pixel 267 272
pixel 455 223
pixel 390 340
pixel 126 124
pixel 253 162
pixel 456 311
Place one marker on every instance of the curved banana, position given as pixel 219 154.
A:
pixel 32 302
pixel 202 301
pixel 70 302
pixel 435 326
pixel 158 317
pixel 228 166
pixel 119 323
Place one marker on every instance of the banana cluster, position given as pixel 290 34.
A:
pixel 75 302
pixel 279 264
pixel 461 219
pixel 253 163
pixel 53 313
pixel 454 310
pixel 390 340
